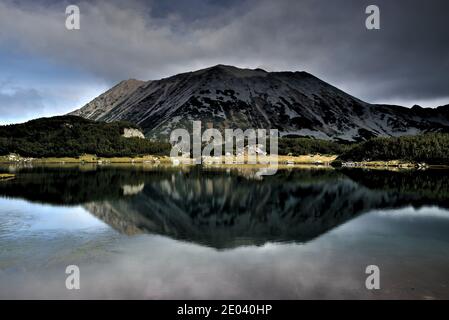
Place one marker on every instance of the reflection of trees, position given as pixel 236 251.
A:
pixel 424 185
pixel 226 208
pixel 73 185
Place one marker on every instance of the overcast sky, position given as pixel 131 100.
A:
pixel 46 69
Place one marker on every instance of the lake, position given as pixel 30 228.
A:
pixel 162 232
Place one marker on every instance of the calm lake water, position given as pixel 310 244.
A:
pixel 197 233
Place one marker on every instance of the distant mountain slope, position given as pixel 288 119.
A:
pixel 296 103
pixel 108 100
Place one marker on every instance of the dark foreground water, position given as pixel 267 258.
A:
pixel 187 233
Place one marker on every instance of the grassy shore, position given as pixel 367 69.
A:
pixel 317 159
pixel 310 160
pixel 384 164
pixel 305 159
pixel 7 176
pixel 85 159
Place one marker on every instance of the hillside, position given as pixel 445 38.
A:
pixel 428 148
pixel 71 136
pixel 108 100
pixel 296 103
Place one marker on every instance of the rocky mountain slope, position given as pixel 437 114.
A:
pixel 108 100
pixel 296 103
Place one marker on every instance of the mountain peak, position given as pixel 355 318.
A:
pixel 131 81
pixel 233 71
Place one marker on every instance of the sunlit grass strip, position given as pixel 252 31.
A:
pixel 310 159
pixel 92 159
pixel 7 176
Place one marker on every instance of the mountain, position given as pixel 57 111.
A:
pixel 296 103
pixel 108 100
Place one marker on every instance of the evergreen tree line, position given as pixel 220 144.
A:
pixel 70 136
pixel 431 148
pixel 304 146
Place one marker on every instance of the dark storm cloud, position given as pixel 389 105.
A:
pixel 407 60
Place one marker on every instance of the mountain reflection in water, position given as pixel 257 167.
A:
pixel 225 208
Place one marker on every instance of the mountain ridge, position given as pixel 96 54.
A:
pixel 294 102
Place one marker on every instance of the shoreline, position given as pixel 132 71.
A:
pixel 398 164
pixel 7 176
pixel 228 161
pixel 83 159
pixel 317 159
